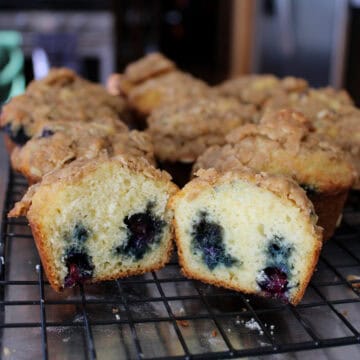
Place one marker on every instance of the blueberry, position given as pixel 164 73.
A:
pixel 80 234
pixel 47 133
pixel 274 282
pixel 7 129
pixel 207 237
pixel 274 248
pixel 143 230
pixel 19 137
pixel 279 252
pixel 78 262
pixel 80 266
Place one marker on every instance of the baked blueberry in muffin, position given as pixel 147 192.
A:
pixel 144 230
pixel 100 219
pixel 18 135
pixel 254 233
pixel 46 133
pixel 207 239
pixel 78 262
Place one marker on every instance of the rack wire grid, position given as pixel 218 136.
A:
pixel 164 315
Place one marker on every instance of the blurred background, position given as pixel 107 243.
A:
pixel 213 39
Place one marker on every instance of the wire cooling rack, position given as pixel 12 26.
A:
pixel 164 315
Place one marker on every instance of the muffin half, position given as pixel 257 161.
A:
pixel 254 233
pixel 100 219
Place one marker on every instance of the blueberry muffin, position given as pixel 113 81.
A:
pixel 100 219
pixel 332 115
pixel 343 129
pixel 150 65
pixel 284 144
pixel 182 131
pixel 154 81
pixel 257 89
pixel 61 95
pixel 58 143
pixel 249 232
pixel 147 67
pixel 310 101
pixel 168 88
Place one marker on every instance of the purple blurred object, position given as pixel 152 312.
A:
pixel 54 50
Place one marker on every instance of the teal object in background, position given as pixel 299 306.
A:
pixel 12 80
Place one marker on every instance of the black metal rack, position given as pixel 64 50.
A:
pixel 164 315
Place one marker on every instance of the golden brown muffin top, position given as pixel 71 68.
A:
pixel 153 81
pixel 331 113
pixel 200 116
pixel 75 171
pixel 283 144
pixel 256 89
pixel 282 186
pixel 147 67
pixel 61 95
pixel 311 102
pixel 59 143
pixel 342 127
pixel 167 88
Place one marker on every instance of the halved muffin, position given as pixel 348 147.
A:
pixel 100 219
pixel 254 233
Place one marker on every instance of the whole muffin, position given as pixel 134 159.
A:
pixel 61 95
pixel 147 67
pixel 182 131
pixel 332 115
pixel 257 89
pixel 310 101
pixel 58 143
pixel 154 81
pixel 167 88
pixel 284 144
